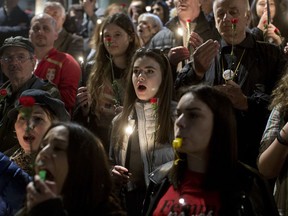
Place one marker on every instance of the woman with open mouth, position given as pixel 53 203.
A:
pixel 143 131
pixel 44 111
pixel 31 123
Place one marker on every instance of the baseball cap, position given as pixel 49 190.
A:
pixel 42 98
pixel 17 41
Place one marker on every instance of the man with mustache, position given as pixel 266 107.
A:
pixel 57 67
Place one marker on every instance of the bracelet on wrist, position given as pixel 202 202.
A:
pixel 281 140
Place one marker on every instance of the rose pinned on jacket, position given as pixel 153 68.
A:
pixel 154 103
pixel 3 93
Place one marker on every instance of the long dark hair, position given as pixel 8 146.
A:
pixel 277 20
pixel 164 95
pixel 166 11
pixel 223 142
pixel 88 185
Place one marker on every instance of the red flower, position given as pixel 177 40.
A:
pixel 153 100
pixel 27 101
pixel 108 41
pixel 276 31
pixel 3 92
pixel 188 20
pixel 234 21
pixel 154 104
pixel 123 5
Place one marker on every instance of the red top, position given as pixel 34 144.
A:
pixel 190 199
pixel 62 70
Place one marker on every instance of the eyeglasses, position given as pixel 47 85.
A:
pixel 18 59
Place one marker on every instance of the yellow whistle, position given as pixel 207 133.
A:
pixel 177 143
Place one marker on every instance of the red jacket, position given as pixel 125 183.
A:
pixel 62 70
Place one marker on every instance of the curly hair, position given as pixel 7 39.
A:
pixel 280 94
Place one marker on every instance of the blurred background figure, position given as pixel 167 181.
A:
pixel 74 19
pixel 170 4
pixel 13 21
pixel 207 8
pixel 148 25
pixel 274 30
pixel 161 9
pixel 115 8
pixel 136 8
pixel 65 42
pixel 62 2
pixel 91 16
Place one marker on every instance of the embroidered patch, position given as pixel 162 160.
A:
pixel 51 73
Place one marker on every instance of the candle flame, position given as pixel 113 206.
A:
pixel 128 130
pixel 180 31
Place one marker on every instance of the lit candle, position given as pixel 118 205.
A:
pixel 180 31
pixel 128 130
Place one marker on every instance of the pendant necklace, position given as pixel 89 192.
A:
pixel 230 74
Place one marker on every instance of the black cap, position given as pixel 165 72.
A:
pixel 17 41
pixel 42 98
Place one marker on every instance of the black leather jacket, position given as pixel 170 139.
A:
pixel 248 195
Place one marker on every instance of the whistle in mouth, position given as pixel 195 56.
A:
pixel 177 143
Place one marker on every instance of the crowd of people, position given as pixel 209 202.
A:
pixel 160 108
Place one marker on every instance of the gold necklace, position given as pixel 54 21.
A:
pixel 230 74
